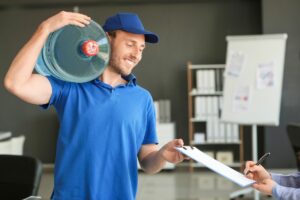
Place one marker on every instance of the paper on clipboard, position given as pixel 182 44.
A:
pixel 216 166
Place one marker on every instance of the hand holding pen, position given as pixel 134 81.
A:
pixel 255 170
pixel 260 161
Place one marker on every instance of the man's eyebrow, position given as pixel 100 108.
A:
pixel 134 41
pixel 143 45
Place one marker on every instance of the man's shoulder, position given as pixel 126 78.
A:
pixel 143 90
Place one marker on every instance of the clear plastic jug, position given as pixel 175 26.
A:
pixel 75 54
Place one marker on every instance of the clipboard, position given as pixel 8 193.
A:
pixel 216 166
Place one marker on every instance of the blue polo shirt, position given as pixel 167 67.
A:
pixel 101 132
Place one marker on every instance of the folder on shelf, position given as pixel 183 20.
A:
pixel 216 166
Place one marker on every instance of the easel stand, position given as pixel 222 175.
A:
pixel 242 192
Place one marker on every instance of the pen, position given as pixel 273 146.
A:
pixel 261 160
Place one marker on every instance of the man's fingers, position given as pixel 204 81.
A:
pixel 256 186
pixel 80 15
pixel 187 158
pixel 76 23
pixel 251 167
pixel 83 20
pixel 179 142
pixel 180 157
pixel 249 164
pixel 250 175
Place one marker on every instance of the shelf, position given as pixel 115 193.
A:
pixel 194 92
pixel 217 66
pixel 217 143
pixel 198 120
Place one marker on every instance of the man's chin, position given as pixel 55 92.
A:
pixel 125 73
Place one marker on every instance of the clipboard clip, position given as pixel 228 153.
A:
pixel 185 147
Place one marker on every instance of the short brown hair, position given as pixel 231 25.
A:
pixel 112 33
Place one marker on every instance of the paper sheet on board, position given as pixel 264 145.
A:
pixel 216 166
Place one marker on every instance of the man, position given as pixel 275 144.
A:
pixel 105 124
pixel 281 187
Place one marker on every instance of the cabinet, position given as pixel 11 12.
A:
pixel 166 133
pixel 223 141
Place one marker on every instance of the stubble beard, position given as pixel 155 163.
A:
pixel 117 68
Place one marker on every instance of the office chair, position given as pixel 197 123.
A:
pixel 19 176
pixel 293 131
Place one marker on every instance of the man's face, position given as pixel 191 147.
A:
pixel 126 51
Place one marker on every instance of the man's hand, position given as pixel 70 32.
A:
pixel 264 182
pixel 265 186
pixel 64 18
pixel 170 154
pixel 153 160
pixel 256 172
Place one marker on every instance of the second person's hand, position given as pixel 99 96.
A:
pixel 257 172
pixel 265 186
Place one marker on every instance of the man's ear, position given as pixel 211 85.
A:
pixel 108 36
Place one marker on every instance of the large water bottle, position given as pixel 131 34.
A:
pixel 75 54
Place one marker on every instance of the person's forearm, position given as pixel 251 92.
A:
pixel 292 180
pixel 280 193
pixel 22 66
pixel 153 162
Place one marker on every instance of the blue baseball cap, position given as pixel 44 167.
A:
pixel 129 22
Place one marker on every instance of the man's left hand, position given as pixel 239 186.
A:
pixel 170 154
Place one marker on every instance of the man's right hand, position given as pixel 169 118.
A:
pixel 256 172
pixel 64 18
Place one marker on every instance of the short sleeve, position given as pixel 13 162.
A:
pixel 57 89
pixel 150 135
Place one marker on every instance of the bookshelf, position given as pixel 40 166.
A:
pixel 222 141
pixel 165 126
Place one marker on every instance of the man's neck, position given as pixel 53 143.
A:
pixel 112 78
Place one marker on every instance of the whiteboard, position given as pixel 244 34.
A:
pixel 253 79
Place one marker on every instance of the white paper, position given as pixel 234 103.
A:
pixel 216 166
pixel 5 135
pixel 265 75
pixel 235 64
pixel 241 99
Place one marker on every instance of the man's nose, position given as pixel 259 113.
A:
pixel 136 53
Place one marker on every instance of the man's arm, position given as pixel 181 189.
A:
pixel 280 186
pixel 153 160
pixel 282 192
pixel 20 80
pixel 291 180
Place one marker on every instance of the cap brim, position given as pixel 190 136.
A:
pixel 149 36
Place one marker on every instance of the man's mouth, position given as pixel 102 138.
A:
pixel 130 62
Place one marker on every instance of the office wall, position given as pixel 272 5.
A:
pixel 188 31
pixel 278 17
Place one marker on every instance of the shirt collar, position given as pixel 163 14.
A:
pixel 131 79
